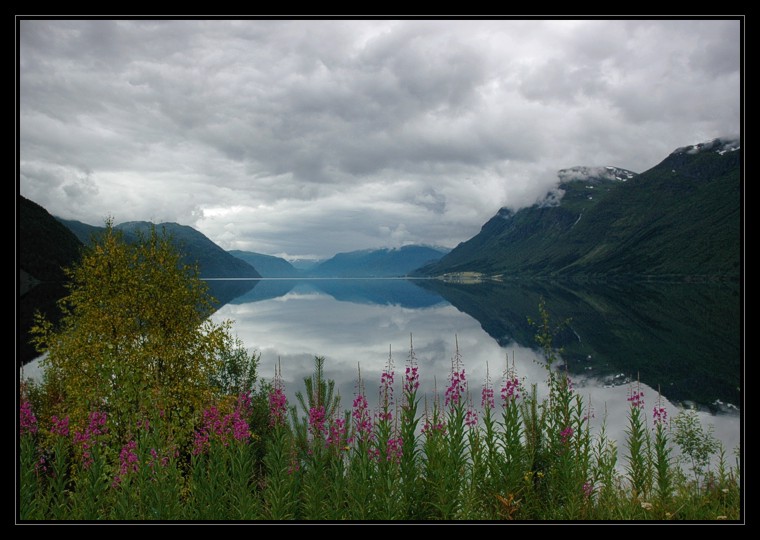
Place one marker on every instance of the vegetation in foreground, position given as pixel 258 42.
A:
pixel 147 411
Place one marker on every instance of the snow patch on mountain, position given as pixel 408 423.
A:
pixel 719 145
pixel 594 175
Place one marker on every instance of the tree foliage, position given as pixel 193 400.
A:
pixel 135 336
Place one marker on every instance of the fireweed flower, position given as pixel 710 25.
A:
pixel 510 390
pixel 386 390
pixel 636 398
pixel 161 459
pixel 589 414
pixel 220 428
pixel 40 468
pixel 154 459
pixel 244 403
pixel 432 428
pixel 336 432
pixel 394 450
pixel 588 490
pixel 128 462
pixel 486 394
pixel 471 417
pixel 59 426
pixel 27 419
pixel 278 406
pixel 240 428
pixel 659 413
pixel 374 453
pixel 317 421
pixel 411 379
pixel 456 389
pixel 411 375
pixel 278 403
pixel 87 439
pixel 565 434
pixel 361 418
pixel 457 381
pixel 97 423
pixel 201 443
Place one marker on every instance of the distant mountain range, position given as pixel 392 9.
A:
pixel 267 265
pixel 388 262
pixel 365 263
pixel 678 220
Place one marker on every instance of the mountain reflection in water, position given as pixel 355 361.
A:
pixel 681 338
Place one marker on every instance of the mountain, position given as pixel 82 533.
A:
pixel 212 260
pixel 267 265
pixel 44 244
pixel 84 232
pixel 680 219
pixel 44 248
pixel 305 265
pixel 387 262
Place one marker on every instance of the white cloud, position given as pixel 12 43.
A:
pixel 313 137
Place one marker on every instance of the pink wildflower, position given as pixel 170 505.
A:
pixel 471 418
pixel 565 434
pixel 430 428
pixel 128 462
pixel 395 449
pixel 59 426
pixel 636 398
pixel 87 439
pixel 278 403
pixel 456 389
pixel 317 421
pixel 336 433
pixel 411 375
pixel 588 490
pixel 487 395
pixel 360 415
pixel 510 391
pixel 27 419
pixel 659 413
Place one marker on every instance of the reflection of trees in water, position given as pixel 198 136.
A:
pixel 226 290
pixel 681 337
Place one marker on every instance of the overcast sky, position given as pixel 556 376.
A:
pixel 308 138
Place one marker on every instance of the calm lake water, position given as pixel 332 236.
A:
pixel 683 339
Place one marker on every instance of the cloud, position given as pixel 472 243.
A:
pixel 320 136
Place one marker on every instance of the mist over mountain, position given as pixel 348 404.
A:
pixel 680 219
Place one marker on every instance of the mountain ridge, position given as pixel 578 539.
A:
pixel 196 248
pixel 678 219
